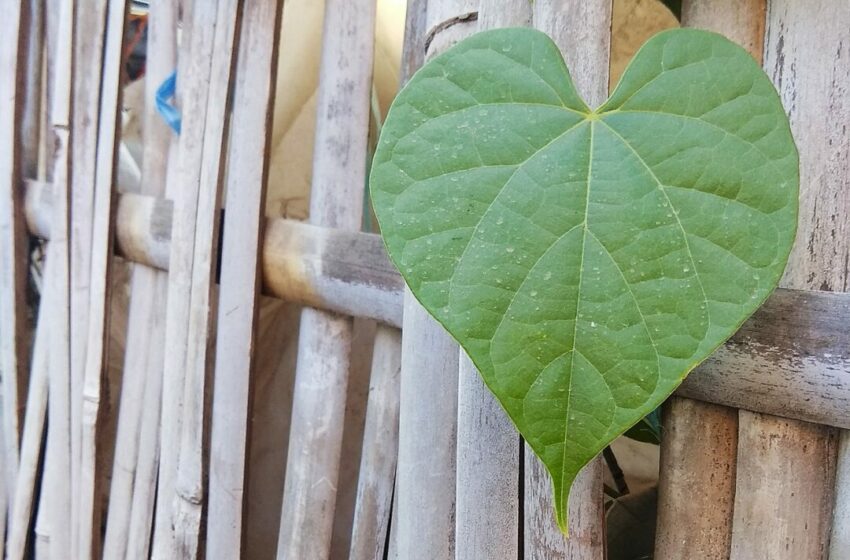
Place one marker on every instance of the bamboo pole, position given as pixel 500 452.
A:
pixel 240 277
pixel 145 331
pixel 321 375
pixel 425 482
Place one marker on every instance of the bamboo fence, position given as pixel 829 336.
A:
pixel 755 458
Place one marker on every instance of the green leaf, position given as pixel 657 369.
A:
pixel 648 429
pixel 587 260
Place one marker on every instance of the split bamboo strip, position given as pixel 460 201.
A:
pixel 13 242
pixel 58 301
pixel 92 464
pixel 699 450
pixel 376 508
pixel 258 31
pixel 34 422
pixel 488 446
pixel 786 468
pixel 143 357
pixel 425 482
pixel 205 86
pixel 373 505
pixel 324 344
pixel 240 280
pixel 90 23
pixel 582 31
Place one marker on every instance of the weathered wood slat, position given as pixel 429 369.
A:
pixel 380 449
pixel 13 240
pixel 696 487
pixel 240 279
pixel 143 356
pixel 205 87
pixel 786 468
pixel 324 345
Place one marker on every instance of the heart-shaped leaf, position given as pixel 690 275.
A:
pixel 587 260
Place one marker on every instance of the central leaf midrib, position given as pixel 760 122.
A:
pixel 578 309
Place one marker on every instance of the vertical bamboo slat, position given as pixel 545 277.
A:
pixel 786 468
pixel 58 301
pixel 582 30
pixel 143 356
pixel 238 295
pixel 321 375
pixel 380 449
pixel 488 447
pixel 13 241
pixel 90 23
pixel 206 78
pixel 92 414
pixel 425 481
pixel 697 480
pixel 700 440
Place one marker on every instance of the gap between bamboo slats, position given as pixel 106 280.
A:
pixel 211 36
pixel 324 345
pixel 786 468
pixel 238 297
pixel 143 357
pixel 582 30
pixel 700 440
pixel 424 525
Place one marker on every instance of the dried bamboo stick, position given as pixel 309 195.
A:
pixel 204 99
pixel 88 55
pixel 58 294
pixel 13 241
pixel 321 376
pixel 145 331
pixel 34 422
pixel 380 449
pixel 97 346
pixel 240 280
